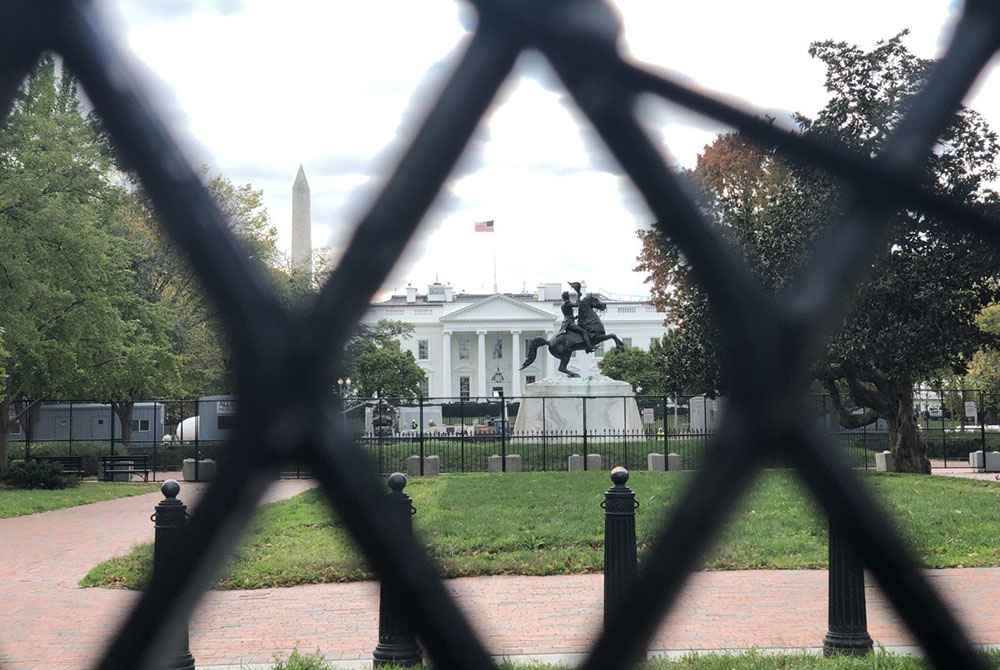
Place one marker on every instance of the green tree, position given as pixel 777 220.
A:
pixel 97 303
pixel 56 254
pixel 641 368
pixel 145 367
pixel 377 365
pixel 984 368
pixel 164 276
pixel 914 315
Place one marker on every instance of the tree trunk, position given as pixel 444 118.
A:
pixel 4 433
pixel 889 399
pixel 124 412
pixel 909 452
pixel 6 404
pixel 34 418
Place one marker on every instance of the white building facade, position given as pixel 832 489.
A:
pixel 472 345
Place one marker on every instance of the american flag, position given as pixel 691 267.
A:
pixel 484 226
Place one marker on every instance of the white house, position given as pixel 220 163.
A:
pixel 472 345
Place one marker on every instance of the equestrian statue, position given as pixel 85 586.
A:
pixel 582 331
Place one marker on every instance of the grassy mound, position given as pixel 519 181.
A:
pixel 552 523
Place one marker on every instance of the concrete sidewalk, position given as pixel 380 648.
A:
pixel 48 622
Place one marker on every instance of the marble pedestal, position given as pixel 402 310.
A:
pixel 555 404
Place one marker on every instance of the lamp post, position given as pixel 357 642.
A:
pixel 344 389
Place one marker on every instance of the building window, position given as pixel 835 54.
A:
pixel 140 425
pixel 652 342
pixel 529 379
pixel 463 387
pixel 463 349
pixel 422 350
pixel 627 341
pixel 599 351
pixel 425 387
pixel 15 428
pixel 498 349
pixel 226 422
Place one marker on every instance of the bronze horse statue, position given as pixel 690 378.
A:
pixel 563 344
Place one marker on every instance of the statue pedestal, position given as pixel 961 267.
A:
pixel 555 404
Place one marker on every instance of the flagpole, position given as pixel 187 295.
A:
pixel 495 261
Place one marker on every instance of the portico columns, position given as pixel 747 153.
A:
pixel 481 377
pixel 446 364
pixel 515 352
pixel 547 366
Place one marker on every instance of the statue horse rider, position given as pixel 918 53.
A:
pixel 581 333
pixel 569 318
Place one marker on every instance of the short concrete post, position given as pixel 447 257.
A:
pixel 413 466
pixel 593 461
pixel 432 466
pixel 976 459
pixel 513 463
pixel 494 464
pixel 170 521
pixel 884 462
pixel 992 461
pixel 848 619
pixel 620 562
pixel 656 462
pixel 575 463
pixel 674 463
pixel 397 642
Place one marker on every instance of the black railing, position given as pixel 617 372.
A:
pixel 287 362
pixel 462 432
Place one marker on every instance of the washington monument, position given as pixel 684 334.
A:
pixel 301 227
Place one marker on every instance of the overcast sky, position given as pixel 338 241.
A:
pixel 256 87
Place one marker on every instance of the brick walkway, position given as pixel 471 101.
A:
pixel 48 622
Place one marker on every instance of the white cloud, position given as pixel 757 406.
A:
pixel 263 86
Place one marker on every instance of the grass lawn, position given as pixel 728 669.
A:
pixel 19 503
pixel 551 523
pixel 751 660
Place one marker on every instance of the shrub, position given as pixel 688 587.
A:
pixel 38 475
pixel 88 450
pixel 955 445
pixel 297 661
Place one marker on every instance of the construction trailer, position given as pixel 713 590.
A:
pixel 91 421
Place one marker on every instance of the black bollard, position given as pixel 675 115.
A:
pixel 848 621
pixel 170 520
pixel 397 643
pixel 620 563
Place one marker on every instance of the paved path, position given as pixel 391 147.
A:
pixel 48 622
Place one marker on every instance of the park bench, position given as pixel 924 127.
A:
pixel 124 465
pixel 71 465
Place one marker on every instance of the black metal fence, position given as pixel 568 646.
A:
pixel 165 431
pixel 287 361
pixel 464 432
